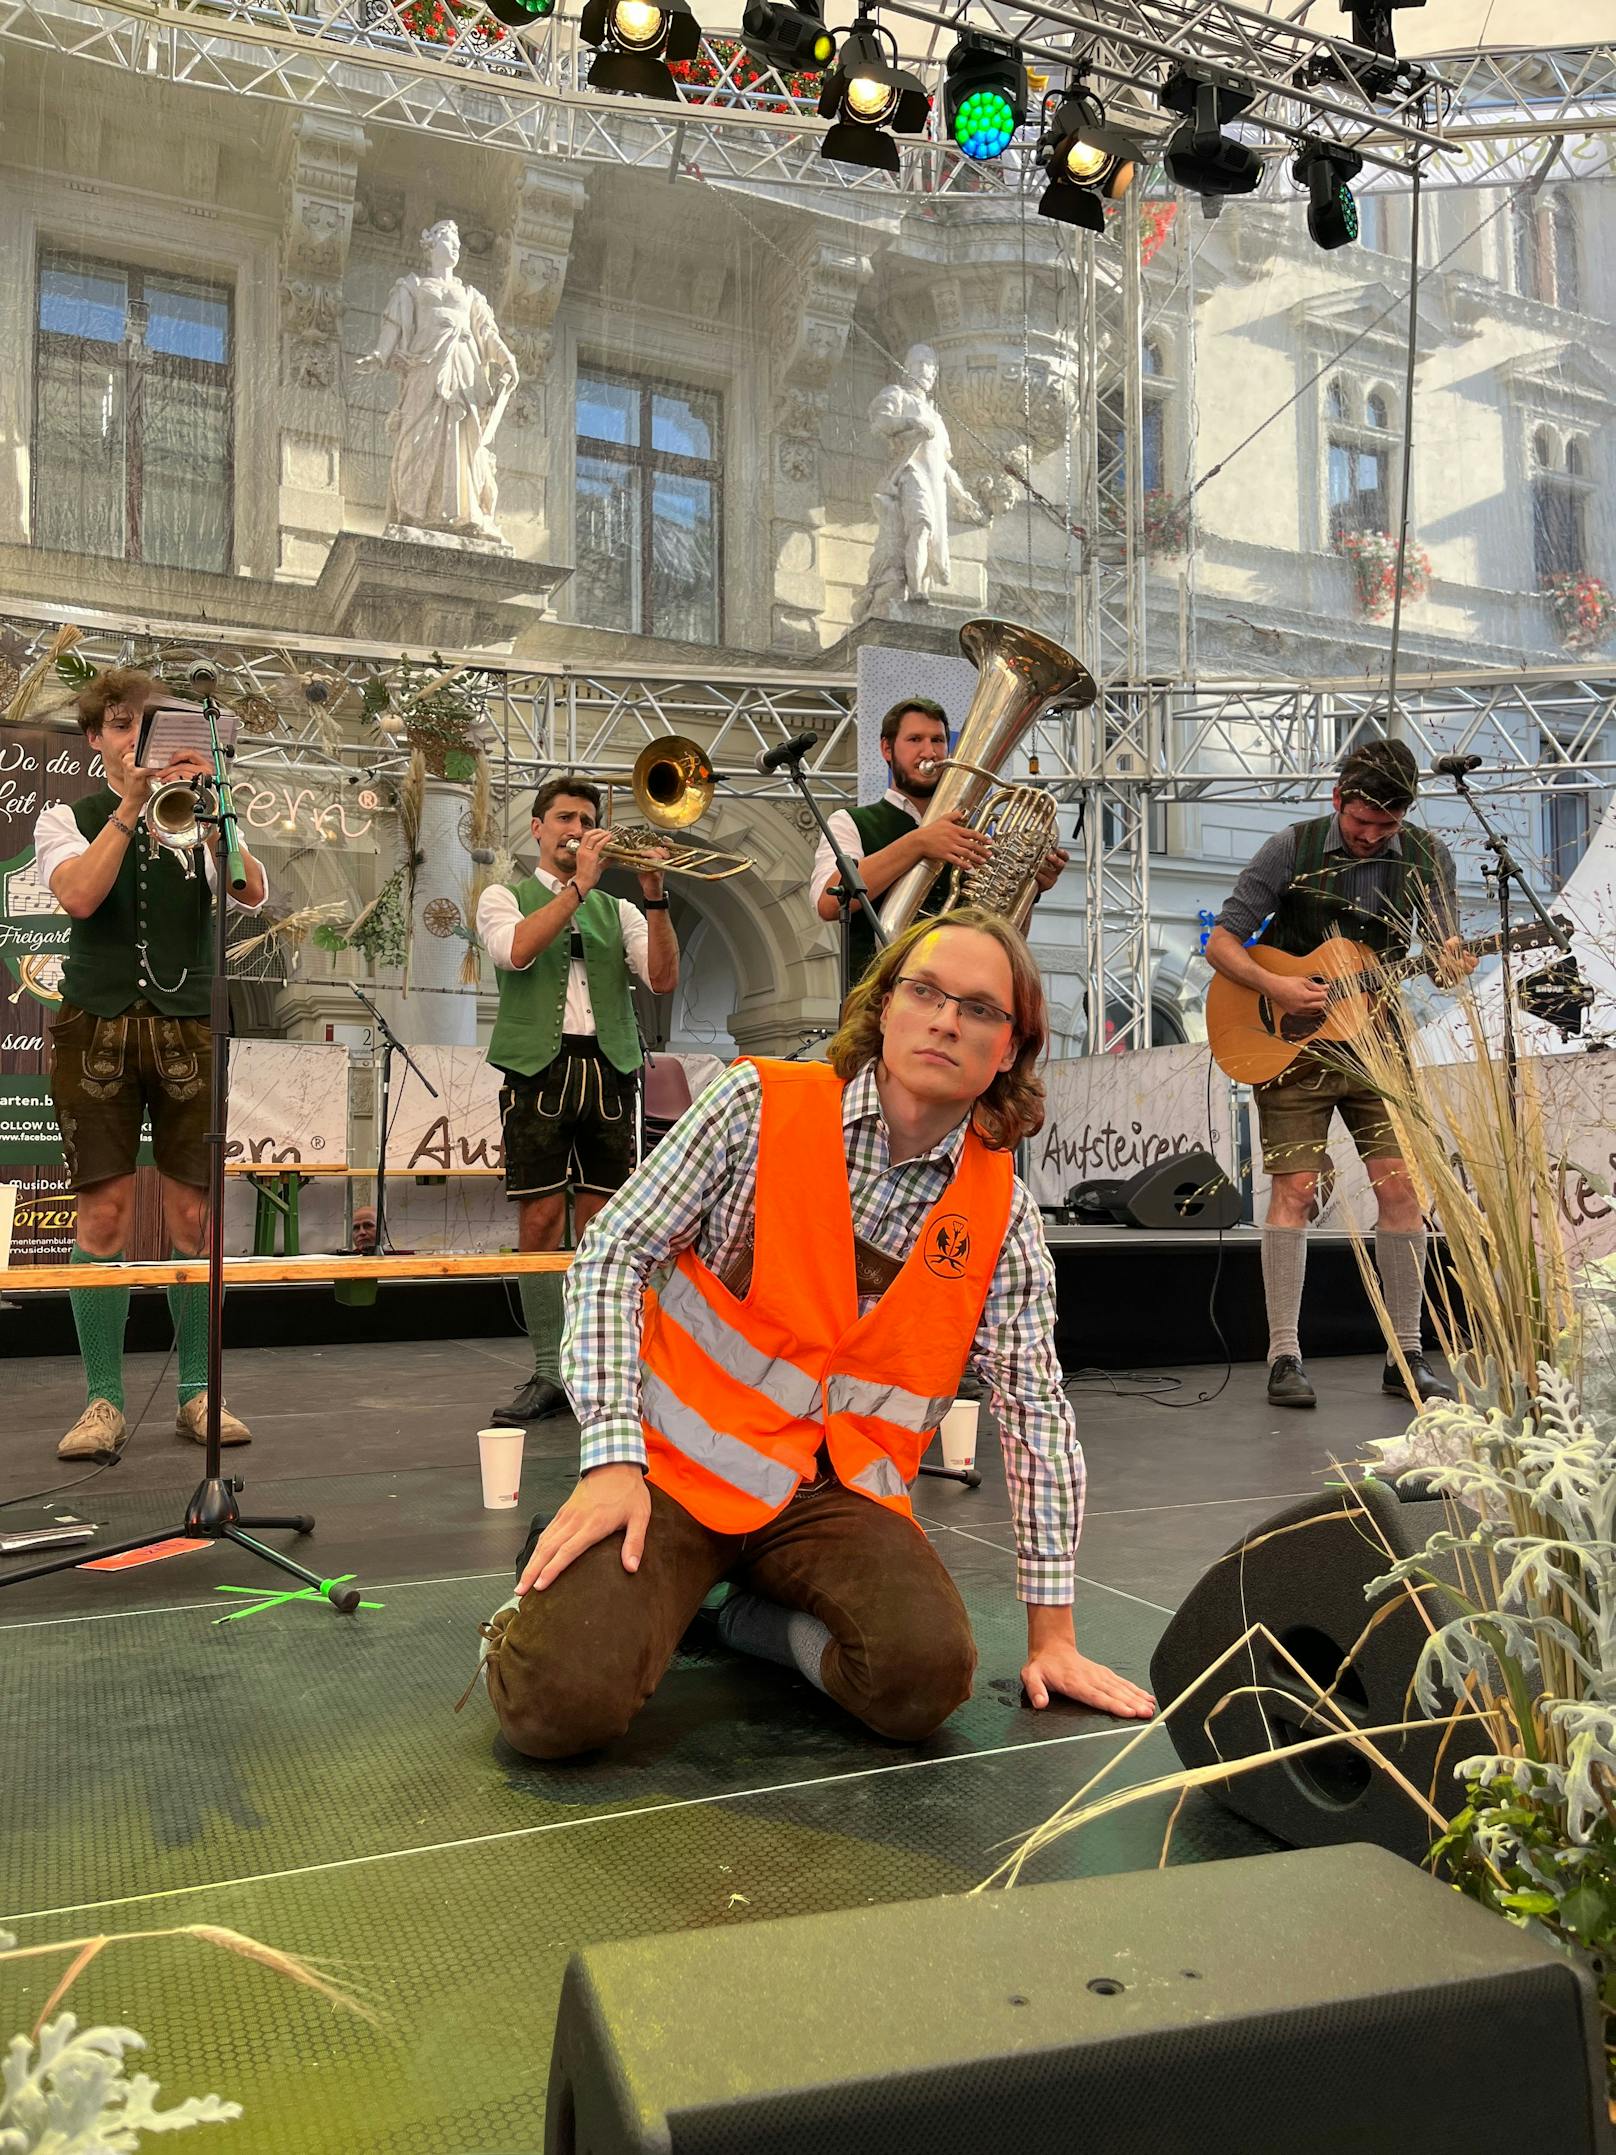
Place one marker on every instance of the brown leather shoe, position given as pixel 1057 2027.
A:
pixel 97 1434
pixel 192 1421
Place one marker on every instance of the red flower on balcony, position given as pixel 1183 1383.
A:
pixel 1584 608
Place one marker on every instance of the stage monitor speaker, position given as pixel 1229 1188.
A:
pixel 1192 1189
pixel 1302 1573
pixel 1337 2001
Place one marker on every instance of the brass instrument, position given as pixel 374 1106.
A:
pixel 171 819
pixel 672 784
pixel 1021 674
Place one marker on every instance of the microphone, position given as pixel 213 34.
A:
pixel 769 760
pixel 204 674
pixel 1455 766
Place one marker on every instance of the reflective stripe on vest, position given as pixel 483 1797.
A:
pixel 730 1459
pixel 881 1479
pixel 791 1389
pixel 887 1402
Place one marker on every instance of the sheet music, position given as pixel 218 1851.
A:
pixel 173 729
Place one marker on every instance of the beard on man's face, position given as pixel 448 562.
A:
pixel 910 779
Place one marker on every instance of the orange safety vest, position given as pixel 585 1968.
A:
pixel 737 1397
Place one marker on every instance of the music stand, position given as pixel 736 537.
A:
pixel 212 1513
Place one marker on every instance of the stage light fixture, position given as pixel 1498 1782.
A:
pixel 634 41
pixel 1200 156
pixel 865 94
pixel 1374 68
pixel 1089 163
pixel 984 96
pixel 793 39
pixel 521 14
pixel 1326 171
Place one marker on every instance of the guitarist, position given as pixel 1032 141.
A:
pixel 1364 872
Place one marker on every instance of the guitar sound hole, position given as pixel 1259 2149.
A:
pixel 1302 1025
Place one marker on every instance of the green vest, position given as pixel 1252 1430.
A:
pixel 1317 901
pixel 151 937
pixel 527 1032
pixel 878 823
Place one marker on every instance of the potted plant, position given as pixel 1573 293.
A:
pixel 1584 609
pixel 1373 555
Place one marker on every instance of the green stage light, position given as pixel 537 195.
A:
pixel 1325 170
pixel 521 14
pixel 984 96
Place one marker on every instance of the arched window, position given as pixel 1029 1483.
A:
pixel 1359 463
pixel 1543 449
pixel 1576 458
pixel 1377 412
pixel 1547 248
pixel 1335 401
pixel 1150 358
pixel 1560 491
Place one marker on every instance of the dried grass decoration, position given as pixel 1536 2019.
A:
pixel 1522 1681
pixel 292 930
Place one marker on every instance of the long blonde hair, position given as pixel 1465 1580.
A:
pixel 1013 1105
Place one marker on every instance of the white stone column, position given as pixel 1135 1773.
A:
pixel 442 1010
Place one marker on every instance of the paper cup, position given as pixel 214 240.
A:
pixel 501 1454
pixel 959 1434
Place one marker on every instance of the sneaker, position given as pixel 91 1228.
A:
pixel 535 1402
pixel 1427 1384
pixel 192 1421
pixel 97 1434
pixel 1288 1384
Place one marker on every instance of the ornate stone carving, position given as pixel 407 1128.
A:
pixel 531 263
pixel 322 173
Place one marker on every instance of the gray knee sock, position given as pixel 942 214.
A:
pixel 542 1314
pixel 752 1625
pixel 1400 1261
pixel 1284 1267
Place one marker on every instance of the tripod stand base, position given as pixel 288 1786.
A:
pixel 966 1475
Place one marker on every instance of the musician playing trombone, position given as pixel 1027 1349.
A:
pixel 887 837
pixel 1367 873
pixel 829 1247
pixel 131 1040
pixel 567 1045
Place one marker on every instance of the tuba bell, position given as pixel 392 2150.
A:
pixel 1020 676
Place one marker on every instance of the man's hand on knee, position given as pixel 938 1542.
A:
pixel 609 1500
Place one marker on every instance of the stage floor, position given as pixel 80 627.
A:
pixel 302 1777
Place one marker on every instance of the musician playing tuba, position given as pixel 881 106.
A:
pixel 567 1046
pixel 1367 873
pixel 889 836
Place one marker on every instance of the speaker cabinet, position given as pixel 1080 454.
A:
pixel 1190 1190
pixel 1335 2001
pixel 1302 1573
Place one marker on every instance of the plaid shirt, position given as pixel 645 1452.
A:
pixel 696 1191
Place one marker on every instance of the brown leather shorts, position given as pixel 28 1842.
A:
pixel 1294 1111
pixel 109 1074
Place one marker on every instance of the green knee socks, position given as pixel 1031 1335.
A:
pixel 188 1308
pixel 99 1316
pixel 542 1314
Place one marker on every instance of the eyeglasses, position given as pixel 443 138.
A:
pixel 979 1016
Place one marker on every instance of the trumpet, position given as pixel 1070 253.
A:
pixel 171 813
pixel 672 784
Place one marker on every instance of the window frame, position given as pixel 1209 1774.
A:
pixel 171 366
pixel 1347 427
pixel 649 462
pixel 1545 249
pixel 1559 461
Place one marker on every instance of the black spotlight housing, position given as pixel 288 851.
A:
pixel 869 98
pixel 1200 156
pixel 634 41
pixel 1089 163
pixel 521 14
pixel 1327 171
pixel 984 96
pixel 793 39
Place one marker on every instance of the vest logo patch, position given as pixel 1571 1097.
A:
pixel 948 1245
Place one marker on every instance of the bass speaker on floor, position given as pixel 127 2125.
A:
pixel 1336 2001
pixel 1190 1190
pixel 1302 1574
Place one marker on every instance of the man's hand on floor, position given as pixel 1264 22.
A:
pixel 609 1500
pixel 1063 1670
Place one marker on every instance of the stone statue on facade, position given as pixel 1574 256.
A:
pixel 456 378
pixel 918 489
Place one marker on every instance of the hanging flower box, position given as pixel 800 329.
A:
pixel 1584 609
pixel 1373 555
pixel 724 72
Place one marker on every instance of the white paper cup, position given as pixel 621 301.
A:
pixel 959 1433
pixel 501 1454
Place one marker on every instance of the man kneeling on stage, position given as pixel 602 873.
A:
pixel 844 1240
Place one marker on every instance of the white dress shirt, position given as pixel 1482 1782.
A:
pixel 499 916
pixel 847 837
pixel 58 840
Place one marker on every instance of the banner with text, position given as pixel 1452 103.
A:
pixel 1108 1116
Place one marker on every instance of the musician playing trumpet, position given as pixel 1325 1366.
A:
pixel 131 1040
pixel 887 837
pixel 1367 873
pixel 567 1045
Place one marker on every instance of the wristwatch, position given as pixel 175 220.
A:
pixel 654 905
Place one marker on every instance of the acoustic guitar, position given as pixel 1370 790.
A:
pixel 1253 1040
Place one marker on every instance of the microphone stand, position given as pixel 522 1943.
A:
pixel 854 889
pixel 1504 871
pixel 212 1513
pixel 391 1046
